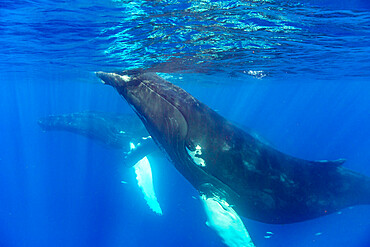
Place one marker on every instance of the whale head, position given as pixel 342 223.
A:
pixel 155 101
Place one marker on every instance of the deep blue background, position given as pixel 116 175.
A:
pixel 60 189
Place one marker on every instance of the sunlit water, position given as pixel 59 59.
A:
pixel 295 72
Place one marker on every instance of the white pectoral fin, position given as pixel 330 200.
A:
pixel 222 218
pixel 144 179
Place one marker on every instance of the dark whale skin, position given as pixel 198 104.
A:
pixel 260 182
pixel 114 130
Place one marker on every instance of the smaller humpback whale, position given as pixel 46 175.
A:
pixel 124 132
pixel 114 130
pixel 234 172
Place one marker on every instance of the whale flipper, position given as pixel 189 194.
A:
pixel 137 159
pixel 223 219
pixel 144 179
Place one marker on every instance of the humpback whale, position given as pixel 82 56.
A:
pixel 234 172
pixel 114 130
pixel 124 132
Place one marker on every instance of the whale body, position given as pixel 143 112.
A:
pixel 221 160
pixel 119 131
pixel 114 130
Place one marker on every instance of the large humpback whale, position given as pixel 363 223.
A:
pixel 231 169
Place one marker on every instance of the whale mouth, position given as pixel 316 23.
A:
pixel 106 78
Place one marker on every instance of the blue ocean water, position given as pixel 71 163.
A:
pixel 296 72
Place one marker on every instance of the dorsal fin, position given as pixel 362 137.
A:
pixel 334 163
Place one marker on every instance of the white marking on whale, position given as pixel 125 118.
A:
pixel 197 152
